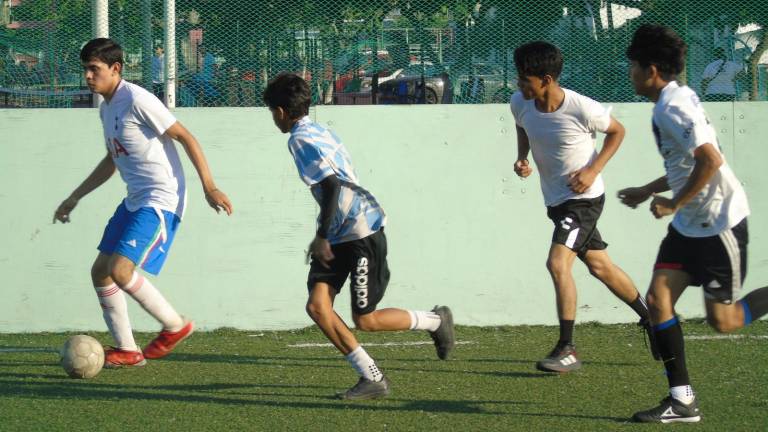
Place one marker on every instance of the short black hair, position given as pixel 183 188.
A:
pixel 103 49
pixel 660 46
pixel 539 58
pixel 289 92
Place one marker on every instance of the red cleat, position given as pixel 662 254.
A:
pixel 115 358
pixel 166 341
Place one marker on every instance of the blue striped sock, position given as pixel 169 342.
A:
pixel 747 313
pixel 666 324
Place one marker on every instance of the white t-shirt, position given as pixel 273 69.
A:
pixel 722 82
pixel 680 125
pixel 562 142
pixel 134 124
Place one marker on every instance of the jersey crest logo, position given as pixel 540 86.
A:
pixel 115 148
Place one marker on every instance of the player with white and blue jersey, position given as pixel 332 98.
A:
pixel 349 243
pixel 706 243
pixel 138 132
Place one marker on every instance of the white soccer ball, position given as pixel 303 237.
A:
pixel 82 356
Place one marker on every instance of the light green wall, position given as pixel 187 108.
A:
pixel 463 229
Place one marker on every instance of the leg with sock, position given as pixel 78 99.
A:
pixel 115 311
pixel 152 301
pixel 755 305
pixel 681 405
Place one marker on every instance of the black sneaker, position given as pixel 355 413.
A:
pixel 366 389
pixel 562 359
pixel 645 323
pixel 444 337
pixel 670 410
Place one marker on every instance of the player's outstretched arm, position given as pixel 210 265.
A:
pixel 633 196
pixel 583 178
pixel 217 199
pixel 522 166
pixel 98 176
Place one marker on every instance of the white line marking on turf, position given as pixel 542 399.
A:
pixel 718 337
pixel 23 350
pixel 384 344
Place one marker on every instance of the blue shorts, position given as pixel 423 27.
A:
pixel 144 236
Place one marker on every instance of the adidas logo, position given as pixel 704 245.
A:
pixel 567 361
pixel 669 412
pixel 131 243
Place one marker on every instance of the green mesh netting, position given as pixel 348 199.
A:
pixel 372 51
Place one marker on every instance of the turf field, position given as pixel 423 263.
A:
pixel 233 380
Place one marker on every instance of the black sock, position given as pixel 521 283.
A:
pixel 566 331
pixel 757 304
pixel 639 306
pixel 669 340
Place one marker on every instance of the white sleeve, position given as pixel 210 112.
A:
pixel 689 127
pixel 150 110
pixel 515 104
pixel 596 116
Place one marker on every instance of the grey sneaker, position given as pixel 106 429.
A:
pixel 645 323
pixel 444 338
pixel 562 359
pixel 670 410
pixel 366 389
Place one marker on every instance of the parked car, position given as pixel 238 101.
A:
pixel 404 86
pixel 485 84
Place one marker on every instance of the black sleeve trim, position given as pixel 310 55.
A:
pixel 331 187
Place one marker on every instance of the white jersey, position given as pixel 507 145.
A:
pixel 680 125
pixel 722 74
pixel 562 142
pixel 134 124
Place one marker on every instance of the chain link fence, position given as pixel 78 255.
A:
pixel 365 52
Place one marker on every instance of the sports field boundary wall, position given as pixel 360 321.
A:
pixel 463 230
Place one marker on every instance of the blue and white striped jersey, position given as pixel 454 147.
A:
pixel 319 153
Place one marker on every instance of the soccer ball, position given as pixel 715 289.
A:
pixel 82 356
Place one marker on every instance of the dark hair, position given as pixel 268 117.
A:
pixel 289 92
pixel 539 58
pixel 103 49
pixel 659 46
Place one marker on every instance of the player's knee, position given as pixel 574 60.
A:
pixel 599 270
pixel 365 322
pixel 723 324
pixel 99 271
pixel 557 267
pixel 316 311
pixel 652 302
pixel 121 274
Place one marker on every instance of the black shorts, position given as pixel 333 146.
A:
pixel 718 263
pixel 576 224
pixel 364 261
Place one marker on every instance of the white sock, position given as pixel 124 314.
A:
pixel 115 311
pixel 364 364
pixel 424 320
pixel 142 290
pixel 682 393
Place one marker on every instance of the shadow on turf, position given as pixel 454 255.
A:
pixel 90 390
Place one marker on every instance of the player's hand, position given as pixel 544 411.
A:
pixel 65 208
pixel 662 206
pixel 218 201
pixel 580 180
pixel 320 249
pixel 633 196
pixel 523 168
